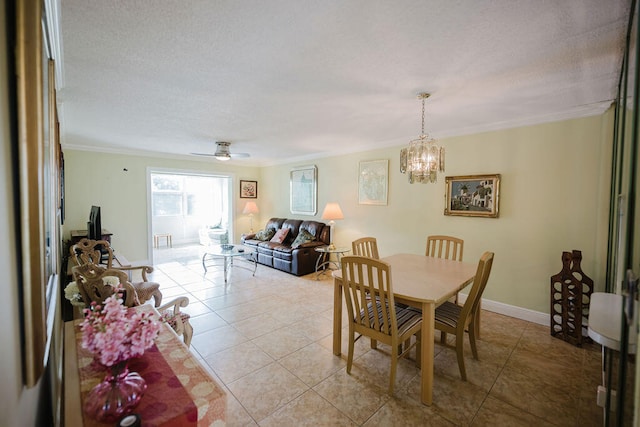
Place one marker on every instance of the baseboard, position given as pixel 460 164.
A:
pixel 512 311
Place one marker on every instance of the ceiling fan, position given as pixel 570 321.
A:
pixel 222 152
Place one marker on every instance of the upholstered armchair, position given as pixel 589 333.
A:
pixel 99 252
pixel 97 283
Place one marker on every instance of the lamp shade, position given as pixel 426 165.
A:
pixel 250 208
pixel 332 211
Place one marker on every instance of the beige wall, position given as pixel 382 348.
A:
pixel 554 197
pixel 100 179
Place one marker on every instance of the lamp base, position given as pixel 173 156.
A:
pixel 332 247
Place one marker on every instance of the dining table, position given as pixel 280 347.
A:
pixel 419 281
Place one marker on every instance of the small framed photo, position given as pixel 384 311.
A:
pixel 373 182
pixel 248 189
pixel 472 195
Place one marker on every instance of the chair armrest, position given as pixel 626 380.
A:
pixel 176 303
pixel 144 269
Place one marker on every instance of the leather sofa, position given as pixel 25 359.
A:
pixel 282 256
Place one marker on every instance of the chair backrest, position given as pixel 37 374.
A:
pixel 90 251
pixel 479 283
pixel 365 246
pixel 89 279
pixel 368 290
pixel 445 247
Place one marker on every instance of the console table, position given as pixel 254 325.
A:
pixel 207 395
pixel 77 235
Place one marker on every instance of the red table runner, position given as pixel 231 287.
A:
pixel 170 363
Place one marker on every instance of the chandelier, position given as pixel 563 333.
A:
pixel 424 158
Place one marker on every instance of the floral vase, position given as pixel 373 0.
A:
pixel 116 395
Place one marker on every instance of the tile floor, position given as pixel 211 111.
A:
pixel 268 340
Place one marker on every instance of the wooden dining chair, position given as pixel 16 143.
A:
pixel 455 319
pixel 372 311
pixel 365 246
pixel 446 247
pixel 97 283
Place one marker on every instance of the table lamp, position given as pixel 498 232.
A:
pixel 250 209
pixel 332 212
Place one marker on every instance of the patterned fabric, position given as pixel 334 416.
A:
pixel 265 235
pixel 303 237
pixel 280 235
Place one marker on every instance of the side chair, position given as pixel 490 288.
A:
pixel 372 311
pixel 97 283
pixel 455 319
pixel 89 251
pixel 365 246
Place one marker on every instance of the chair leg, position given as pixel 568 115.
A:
pixel 350 353
pixel 418 349
pixel 188 333
pixel 374 344
pixel 157 297
pixel 472 340
pixel 460 354
pixel 392 374
pixel 443 337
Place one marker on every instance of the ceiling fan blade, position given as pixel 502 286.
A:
pixel 239 155
pixel 203 154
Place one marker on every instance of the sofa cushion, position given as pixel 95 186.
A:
pixel 303 237
pixel 280 235
pixel 265 234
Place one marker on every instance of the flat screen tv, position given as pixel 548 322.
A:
pixel 94 226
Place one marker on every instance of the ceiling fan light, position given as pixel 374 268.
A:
pixel 223 157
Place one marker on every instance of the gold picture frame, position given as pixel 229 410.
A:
pixel 472 195
pixel 38 162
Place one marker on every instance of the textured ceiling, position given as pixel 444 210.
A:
pixel 291 80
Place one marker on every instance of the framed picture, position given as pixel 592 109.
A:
pixel 472 195
pixel 373 182
pixel 303 183
pixel 39 231
pixel 248 189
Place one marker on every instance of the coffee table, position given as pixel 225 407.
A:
pixel 227 255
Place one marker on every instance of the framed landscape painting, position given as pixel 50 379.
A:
pixel 472 195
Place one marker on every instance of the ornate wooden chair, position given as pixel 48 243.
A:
pixel 97 283
pixel 372 310
pixel 365 246
pixel 99 252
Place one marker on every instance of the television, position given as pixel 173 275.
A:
pixel 94 226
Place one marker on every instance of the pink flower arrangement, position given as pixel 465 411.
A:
pixel 115 333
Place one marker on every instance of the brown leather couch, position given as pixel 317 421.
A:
pixel 299 261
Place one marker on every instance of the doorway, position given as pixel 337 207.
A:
pixel 180 205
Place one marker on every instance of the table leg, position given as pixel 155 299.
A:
pixel 203 264
pixel 337 316
pixel 426 362
pixel 225 270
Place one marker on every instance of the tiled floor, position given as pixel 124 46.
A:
pixel 268 340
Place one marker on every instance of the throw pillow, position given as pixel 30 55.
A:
pixel 265 235
pixel 303 237
pixel 280 235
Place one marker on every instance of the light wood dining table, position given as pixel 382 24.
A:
pixel 419 281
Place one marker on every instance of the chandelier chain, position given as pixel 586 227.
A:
pixel 422 117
